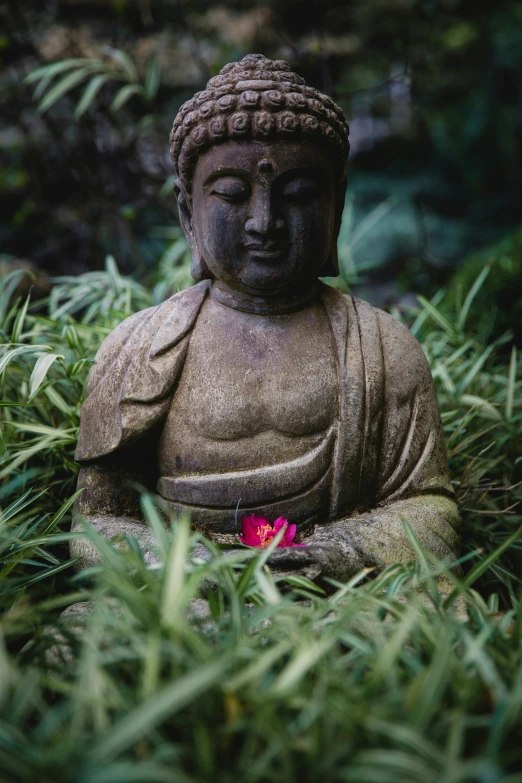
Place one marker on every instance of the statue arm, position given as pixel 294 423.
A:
pixel 375 538
pixel 414 483
pixel 111 479
pixel 413 479
pixel 128 395
pixel 110 501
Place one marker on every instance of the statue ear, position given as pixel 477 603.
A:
pixel 198 269
pixel 331 265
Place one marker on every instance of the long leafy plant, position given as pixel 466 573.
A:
pixel 197 671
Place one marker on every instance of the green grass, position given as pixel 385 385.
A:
pixel 280 682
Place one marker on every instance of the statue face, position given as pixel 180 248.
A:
pixel 264 215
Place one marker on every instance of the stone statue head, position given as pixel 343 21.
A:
pixel 259 158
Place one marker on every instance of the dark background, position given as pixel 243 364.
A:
pixel 432 91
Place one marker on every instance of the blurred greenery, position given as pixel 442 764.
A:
pixel 501 293
pixel 88 92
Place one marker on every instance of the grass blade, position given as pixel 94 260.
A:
pixel 172 698
pixel 40 370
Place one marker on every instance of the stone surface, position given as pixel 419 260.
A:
pixel 261 390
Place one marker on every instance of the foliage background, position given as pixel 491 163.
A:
pixel 432 90
pixel 384 680
pixel 271 680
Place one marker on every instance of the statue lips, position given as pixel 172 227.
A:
pixel 271 251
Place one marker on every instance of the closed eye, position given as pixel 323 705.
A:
pixel 230 189
pixel 300 189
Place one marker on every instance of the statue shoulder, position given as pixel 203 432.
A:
pixel 405 364
pixel 407 369
pixel 154 328
pixel 113 345
pixel 398 342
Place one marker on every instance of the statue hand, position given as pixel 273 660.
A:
pixel 327 553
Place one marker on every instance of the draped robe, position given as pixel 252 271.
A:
pixel 389 459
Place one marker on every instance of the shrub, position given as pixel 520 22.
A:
pixel 275 681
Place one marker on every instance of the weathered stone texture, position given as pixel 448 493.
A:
pixel 261 389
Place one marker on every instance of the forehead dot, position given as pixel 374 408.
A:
pixel 265 165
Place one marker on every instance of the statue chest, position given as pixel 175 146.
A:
pixel 255 390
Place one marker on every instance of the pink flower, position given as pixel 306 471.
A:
pixel 258 532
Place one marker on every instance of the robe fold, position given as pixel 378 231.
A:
pixel 389 445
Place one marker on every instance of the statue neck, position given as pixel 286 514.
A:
pixel 264 305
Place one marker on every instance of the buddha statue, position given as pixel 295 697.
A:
pixel 262 390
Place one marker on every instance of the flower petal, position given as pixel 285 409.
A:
pixel 259 521
pixel 288 537
pixel 247 522
pixel 248 528
pixel 258 532
pixel 290 532
pixel 250 531
pixel 279 523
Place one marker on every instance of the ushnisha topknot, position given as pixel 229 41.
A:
pixel 256 98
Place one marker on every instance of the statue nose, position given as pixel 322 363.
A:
pixel 263 219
